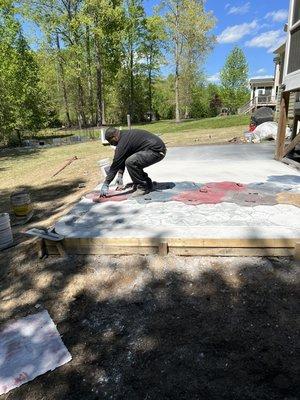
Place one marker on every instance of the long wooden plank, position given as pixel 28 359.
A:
pixel 232 252
pixel 179 246
pixel 225 243
pixel 180 242
pixel 102 250
pixel 280 142
pixel 180 251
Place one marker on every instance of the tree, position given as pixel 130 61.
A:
pixel 163 97
pixel 214 98
pixel 105 21
pixel 21 100
pixel 134 28
pixel 234 80
pixel 60 61
pixel 187 26
pixel 61 22
pixel 151 51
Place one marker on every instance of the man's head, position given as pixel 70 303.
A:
pixel 112 135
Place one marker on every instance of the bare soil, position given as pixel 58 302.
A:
pixel 150 328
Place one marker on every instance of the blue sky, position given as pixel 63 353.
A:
pixel 255 25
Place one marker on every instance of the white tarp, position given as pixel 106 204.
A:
pixel 268 130
pixel 29 347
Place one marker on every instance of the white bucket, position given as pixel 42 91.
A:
pixel 6 237
pixel 102 138
pixel 104 166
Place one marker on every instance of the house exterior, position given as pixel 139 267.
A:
pixel 268 91
pixel 288 107
pixel 263 94
pixel 280 55
pixel 291 71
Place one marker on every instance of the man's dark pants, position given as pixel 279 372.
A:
pixel 136 163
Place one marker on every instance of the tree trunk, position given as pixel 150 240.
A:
pixel 150 84
pixel 80 90
pixel 80 93
pixel 90 81
pixel 63 81
pixel 98 82
pixel 103 113
pixel 177 106
pixel 131 107
pixel 103 101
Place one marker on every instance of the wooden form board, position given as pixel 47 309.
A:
pixel 282 122
pixel 176 246
pixel 281 149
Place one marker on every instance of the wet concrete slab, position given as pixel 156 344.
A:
pixel 248 207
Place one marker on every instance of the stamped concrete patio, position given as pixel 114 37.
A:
pixel 273 214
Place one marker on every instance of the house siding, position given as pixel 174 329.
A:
pixel 291 112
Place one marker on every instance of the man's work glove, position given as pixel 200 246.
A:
pixel 119 181
pixel 104 190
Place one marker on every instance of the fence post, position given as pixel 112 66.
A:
pixel 129 121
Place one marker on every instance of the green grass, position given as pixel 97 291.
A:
pixel 53 133
pixel 205 123
pixel 161 127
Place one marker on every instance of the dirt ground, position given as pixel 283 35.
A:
pixel 150 328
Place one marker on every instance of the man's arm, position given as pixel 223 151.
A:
pixel 119 181
pixel 118 163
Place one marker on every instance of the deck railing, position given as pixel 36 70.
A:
pixel 261 100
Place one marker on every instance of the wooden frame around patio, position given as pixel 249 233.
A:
pixel 177 246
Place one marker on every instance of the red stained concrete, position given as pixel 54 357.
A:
pixel 211 193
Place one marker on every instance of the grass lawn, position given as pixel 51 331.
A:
pixel 33 170
pixel 52 197
pixel 191 125
pixel 159 127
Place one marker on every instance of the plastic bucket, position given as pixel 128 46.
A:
pixel 104 166
pixel 6 237
pixel 21 204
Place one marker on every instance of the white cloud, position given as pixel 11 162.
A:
pixel 239 10
pixel 261 71
pixel 214 78
pixel 236 32
pixel 262 77
pixel 227 5
pixel 269 40
pixel 278 16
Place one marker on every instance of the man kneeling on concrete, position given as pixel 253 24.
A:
pixel 135 149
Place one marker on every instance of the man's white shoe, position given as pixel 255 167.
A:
pixel 140 192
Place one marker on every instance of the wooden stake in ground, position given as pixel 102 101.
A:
pixel 68 162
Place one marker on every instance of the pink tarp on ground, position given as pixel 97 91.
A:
pixel 29 347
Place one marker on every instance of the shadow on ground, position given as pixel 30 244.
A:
pixel 47 198
pixel 152 328
pixel 25 153
pixel 50 201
